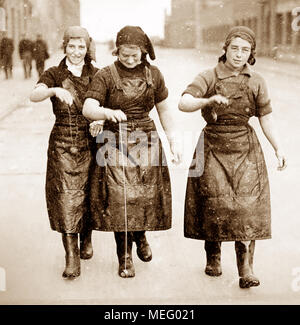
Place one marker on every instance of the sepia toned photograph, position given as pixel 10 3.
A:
pixel 148 154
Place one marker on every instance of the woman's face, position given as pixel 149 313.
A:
pixel 238 53
pixel 130 57
pixel 76 50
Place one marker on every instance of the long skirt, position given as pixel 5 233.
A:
pixel 67 178
pixel 228 196
pixel 130 187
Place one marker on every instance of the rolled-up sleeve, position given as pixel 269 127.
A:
pixel 161 91
pixel 48 78
pixel 98 87
pixel 200 85
pixel 263 102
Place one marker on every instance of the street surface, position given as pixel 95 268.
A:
pixel 32 256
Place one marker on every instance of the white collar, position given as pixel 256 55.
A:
pixel 75 69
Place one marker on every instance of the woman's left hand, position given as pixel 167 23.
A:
pixel 96 127
pixel 282 161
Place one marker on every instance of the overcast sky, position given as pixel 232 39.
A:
pixel 104 18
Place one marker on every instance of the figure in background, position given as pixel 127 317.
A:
pixel 132 194
pixel 26 53
pixel 70 150
pixel 6 51
pixel 40 54
pixel 228 197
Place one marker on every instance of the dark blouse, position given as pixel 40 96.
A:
pixel 103 82
pixel 203 85
pixel 54 76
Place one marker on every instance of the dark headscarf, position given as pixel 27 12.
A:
pixel 244 33
pixel 80 32
pixel 134 35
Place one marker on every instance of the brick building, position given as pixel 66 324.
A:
pixel 271 20
pixel 47 17
pixel 274 22
pixel 180 25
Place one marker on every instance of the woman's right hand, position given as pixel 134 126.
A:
pixel 219 99
pixel 116 116
pixel 63 95
pixel 282 161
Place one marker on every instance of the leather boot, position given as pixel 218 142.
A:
pixel 124 252
pixel 213 258
pixel 244 257
pixel 251 255
pixel 86 248
pixel 143 249
pixel 70 242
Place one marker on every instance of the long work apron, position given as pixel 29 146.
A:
pixel 131 171
pixel 229 199
pixel 69 162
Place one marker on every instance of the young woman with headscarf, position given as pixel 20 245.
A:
pixel 229 199
pixel 70 146
pixel 131 191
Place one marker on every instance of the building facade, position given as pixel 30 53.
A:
pixel 46 17
pixel 275 23
pixel 180 25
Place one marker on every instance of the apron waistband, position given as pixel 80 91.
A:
pixel 73 118
pixel 229 123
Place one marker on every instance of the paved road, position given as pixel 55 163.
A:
pixel 32 257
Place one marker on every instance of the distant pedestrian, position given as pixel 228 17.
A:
pixel 70 147
pixel 229 199
pixel 6 50
pixel 26 54
pixel 40 54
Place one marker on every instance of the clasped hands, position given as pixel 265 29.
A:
pixel 116 116
pixel 119 116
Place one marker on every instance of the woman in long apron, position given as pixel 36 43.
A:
pixel 227 195
pixel 70 147
pixel 131 190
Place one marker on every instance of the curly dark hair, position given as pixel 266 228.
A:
pixel 246 37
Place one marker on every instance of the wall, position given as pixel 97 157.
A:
pixel 47 17
pixel 199 23
pixel 180 25
pixel 271 21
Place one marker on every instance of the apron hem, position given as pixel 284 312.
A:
pixel 227 239
pixel 129 230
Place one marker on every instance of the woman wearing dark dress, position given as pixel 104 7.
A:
pixel 70 147
pixel 131 190
pixel 228 198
